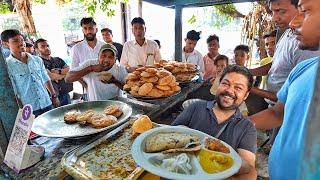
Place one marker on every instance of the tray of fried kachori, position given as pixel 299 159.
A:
pixel 82 119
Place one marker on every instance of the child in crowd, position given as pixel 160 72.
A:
pixel 28 75
pixel 213 52
pixel 95 73
pixel 189 54
pixel 221 62
pixel 241 54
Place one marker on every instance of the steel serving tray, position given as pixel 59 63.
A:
pixel 51 123
pixel 106 157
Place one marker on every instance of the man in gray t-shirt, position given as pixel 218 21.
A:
pixel 223 120
pixel 287 54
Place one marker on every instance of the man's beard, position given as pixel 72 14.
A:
pixel 90 38
pixel 220 104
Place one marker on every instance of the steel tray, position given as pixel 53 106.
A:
pixel 51 124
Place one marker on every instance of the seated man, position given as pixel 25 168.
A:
pixel 141 51
pixel 28 75
pixel 90 71
pixel 221 118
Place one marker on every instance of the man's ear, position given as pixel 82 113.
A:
pixel 6 43
pixel 247 94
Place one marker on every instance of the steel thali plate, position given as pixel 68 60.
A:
pixel 51 123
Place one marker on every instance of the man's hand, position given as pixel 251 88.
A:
pixel 55 102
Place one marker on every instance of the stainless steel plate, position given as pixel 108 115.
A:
pixel 51 123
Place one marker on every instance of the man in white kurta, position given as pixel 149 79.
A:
pixel 141 51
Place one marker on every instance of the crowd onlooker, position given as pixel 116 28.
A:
pixel 108 38
pixel 28 75
pixel 56 69
pixel 208 59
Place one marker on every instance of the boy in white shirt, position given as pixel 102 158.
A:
pixel 189 54
pixel 91 71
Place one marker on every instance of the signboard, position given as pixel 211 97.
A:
pixel 15 156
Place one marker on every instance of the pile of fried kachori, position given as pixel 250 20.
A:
pixel 183 72
pixel 151 81
pixel 94 119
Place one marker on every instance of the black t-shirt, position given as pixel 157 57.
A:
pixel 61 87
pixel 119 49
pixel 239 132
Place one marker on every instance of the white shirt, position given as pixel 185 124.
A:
pixel 133 54
pixel 194 57
pixel 81 52
pixel 98 90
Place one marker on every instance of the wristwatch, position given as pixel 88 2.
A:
pixel 53 96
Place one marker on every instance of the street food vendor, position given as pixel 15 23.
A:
pixel 141 51
pixel 104 76
pixel 222 119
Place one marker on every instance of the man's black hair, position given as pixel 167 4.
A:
pixel 240 70
pixel 293 2
pixel 137 20
pixel 87 20
pixel 107 29
pixel 242 47
pixel 9 33
pixel 40 40
pixel 28 44
pixel 221 58
pixel 193 35
pixel 212 37
pixel 270 34
pixel 158 42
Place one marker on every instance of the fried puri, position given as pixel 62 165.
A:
pixel 111 109
pixel 85 116
pixel 71 116
pixel 145 89
pixel 163 88
pixel 155 93
pixel 166 80
pixel 151 70
pixel 103 121
pixel 150 79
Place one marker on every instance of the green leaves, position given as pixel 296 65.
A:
pixel 4 8
pixel 105 5
pixel 192 20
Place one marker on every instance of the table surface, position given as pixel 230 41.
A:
pixel 55 148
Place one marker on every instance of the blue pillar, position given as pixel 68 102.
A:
pixel 8 105
pixel 178 32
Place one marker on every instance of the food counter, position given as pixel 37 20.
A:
pixel 55 148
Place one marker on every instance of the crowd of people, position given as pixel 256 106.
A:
pixel 288 69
